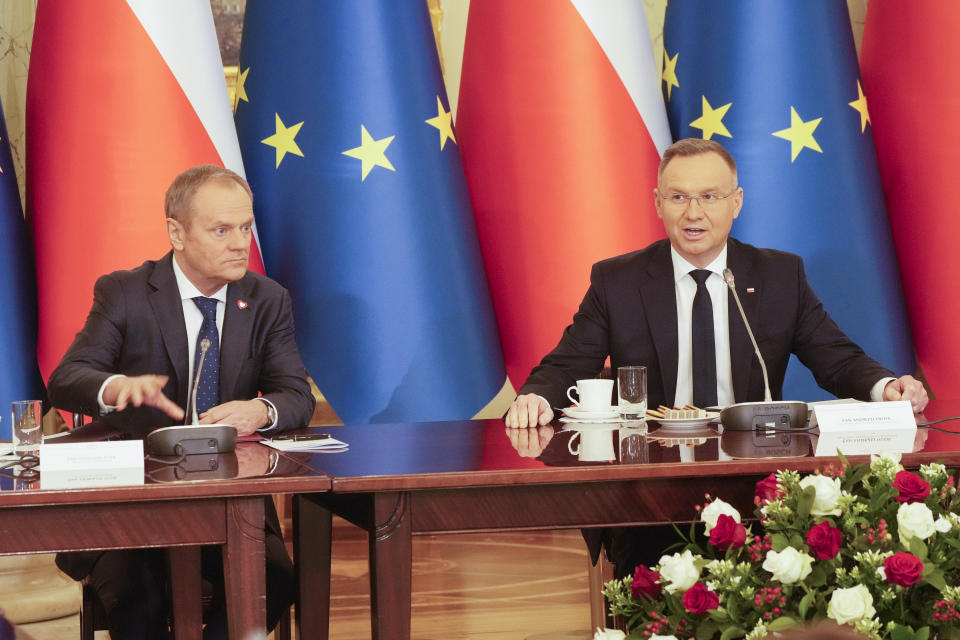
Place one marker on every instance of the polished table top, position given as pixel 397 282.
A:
pixel 463 453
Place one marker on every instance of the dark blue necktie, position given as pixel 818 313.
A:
pixel 208 391
pixel 704 345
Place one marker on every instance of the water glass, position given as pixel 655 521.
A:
pixel 27 425
pixel 632 392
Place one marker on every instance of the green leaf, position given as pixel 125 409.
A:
pixel 720 615
pixel 805 502
pixel 805 603
pixel 918 548
pixel 935 579
pixel 902 632
pixel 707 629
pixel 732 632
pixel 922 633
pixel 843 458
pixel 782 623
pixel 858 474
pixel 779 542
pixel 817 577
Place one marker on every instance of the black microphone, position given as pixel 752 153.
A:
pixel 767 415
pixel 192 396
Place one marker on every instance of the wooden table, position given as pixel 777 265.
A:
pixel 406 479
pixel 182 514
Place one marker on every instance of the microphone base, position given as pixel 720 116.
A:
pixel 192 439
pixel 761 416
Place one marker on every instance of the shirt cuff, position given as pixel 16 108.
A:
pixel 876 391
pixel 105 409
pixel 273 425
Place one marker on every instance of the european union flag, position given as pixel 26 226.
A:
pixel 777 83
pixel 362 208
pixel 19 373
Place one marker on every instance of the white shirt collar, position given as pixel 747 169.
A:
pixel 188 290
pixel 681 267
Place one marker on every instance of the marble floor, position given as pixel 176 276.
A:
pixel 515 586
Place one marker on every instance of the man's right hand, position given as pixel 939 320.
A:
pixel 528 410
pixel 139 391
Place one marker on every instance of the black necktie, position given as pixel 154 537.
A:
pixel 208 391
pixel 704 346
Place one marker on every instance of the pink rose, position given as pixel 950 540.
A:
pixel 903 568
pixel 699 599
pixel 646 582
pixel 768 489
pixel 728 533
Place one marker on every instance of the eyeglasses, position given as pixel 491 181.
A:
pixel 680 201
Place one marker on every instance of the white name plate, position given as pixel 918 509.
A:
pixel 865 427
pixel 70 465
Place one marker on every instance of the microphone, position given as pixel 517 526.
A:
pixel 192 397
pixel 767 415
pixel 728 278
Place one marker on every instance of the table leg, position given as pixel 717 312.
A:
pixel 244 569
pixel 312 535
pixel 185 592
pixel 391 566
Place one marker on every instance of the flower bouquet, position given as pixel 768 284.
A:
pixel 872 546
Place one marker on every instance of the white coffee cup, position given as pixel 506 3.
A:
pixel 594 394
pixel 593 445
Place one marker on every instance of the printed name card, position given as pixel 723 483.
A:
pixel 865 427
pixel 71 465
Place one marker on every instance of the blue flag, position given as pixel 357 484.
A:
pixel 362 208
pixel 19 373
pixel 778 84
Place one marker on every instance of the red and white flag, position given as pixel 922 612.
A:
pixel 560 121
pixel 122 96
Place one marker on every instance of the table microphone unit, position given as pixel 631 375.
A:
pixel 193 438
pixel 766 415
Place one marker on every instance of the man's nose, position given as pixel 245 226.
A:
pixel 239 240
pixel 694 209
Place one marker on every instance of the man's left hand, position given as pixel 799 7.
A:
pixel 246 415
pixel 907 388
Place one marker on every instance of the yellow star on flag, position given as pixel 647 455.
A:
pixel 711 121
pixel 370 153
pixel 240 91
pixel 444 123
pixel 670 71
pixel 860 104
pixel 283 140
pixel 800 134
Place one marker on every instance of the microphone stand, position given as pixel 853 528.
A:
pixel 192 396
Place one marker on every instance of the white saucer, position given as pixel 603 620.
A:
pixel 589 425
pixel 581 414
pixel 686 423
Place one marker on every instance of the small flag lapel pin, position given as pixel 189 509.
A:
pixel 241 304
pixel 750 290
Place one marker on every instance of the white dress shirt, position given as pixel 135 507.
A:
pixel 192 319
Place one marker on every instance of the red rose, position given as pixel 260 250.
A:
pixel 903 568
pixel 768 489
pixel 699 599
pixel 912 487
pixel 646 582
pixel 824 540
pixel 728 533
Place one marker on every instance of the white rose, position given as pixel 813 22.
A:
pixel 892 456
pixel 788 566
pixel 942 525
pixel 678 571
pixel 849 605
pixel 914 521
pixel 828 492
pixel 609 634
pixel 712 512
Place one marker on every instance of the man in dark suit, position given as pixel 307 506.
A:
pixel 667 307
pixel 137 354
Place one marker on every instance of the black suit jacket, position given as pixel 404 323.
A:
pixel 630 314
pixel 136 327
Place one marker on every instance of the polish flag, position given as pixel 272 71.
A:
pixel 122 96
pixel 561 123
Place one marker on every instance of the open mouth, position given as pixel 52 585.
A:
pixel 693 233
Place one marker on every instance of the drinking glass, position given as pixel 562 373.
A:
pixel 632 392
pixel 27 425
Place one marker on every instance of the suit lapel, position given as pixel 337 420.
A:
pixel 659 293
pixel 741 349
pixel 235 338
pixel 168 310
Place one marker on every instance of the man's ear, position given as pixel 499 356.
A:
pixel 656 203
pixel 176 232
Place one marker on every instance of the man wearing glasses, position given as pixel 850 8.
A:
pixel 667 307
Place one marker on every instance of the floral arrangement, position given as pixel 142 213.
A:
pixel 871 546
